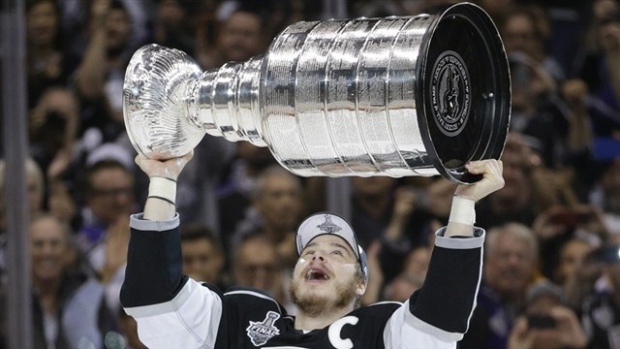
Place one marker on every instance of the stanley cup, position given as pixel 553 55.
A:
pixel 395 96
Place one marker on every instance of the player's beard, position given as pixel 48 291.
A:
pixel 314 305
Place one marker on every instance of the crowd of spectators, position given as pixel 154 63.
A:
pixel 551 276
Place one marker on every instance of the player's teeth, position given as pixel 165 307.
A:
pixel 315 275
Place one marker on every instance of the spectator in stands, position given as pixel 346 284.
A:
pixel 525 31
pixel 601 308
pixel 35 187
pixel 598 67
pixel 497 9
pixel 78 26
pixel 100 76
pixel 238 184
pixel 68 309
pixel 536 80
pixel 257 265
pixel 59 203
pixel 198 187
pixel 515 202
pixel 402 287
pixel 559 224
pixel 48 62
pixel 372 206
pixel 395 215
pixel 240 36
pixel 588 122
pixel 417 261
pixel 275 213
pixel 53 129
pixel 606 194
pixel 203 257
pixel 174 24
pixel 509 268
pixel 411 277
pixel 547 323
pixel 109 196
pixel 574 272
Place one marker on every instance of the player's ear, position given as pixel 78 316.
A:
pixel 361 288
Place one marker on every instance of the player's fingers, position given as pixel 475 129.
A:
pixel 491 166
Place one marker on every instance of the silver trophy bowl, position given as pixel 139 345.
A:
pixel 395 96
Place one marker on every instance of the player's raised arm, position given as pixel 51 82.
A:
pixel 160 203
pixel 463 214
pixel 438 314
pixel 172 311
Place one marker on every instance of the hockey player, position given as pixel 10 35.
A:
pixel 174 311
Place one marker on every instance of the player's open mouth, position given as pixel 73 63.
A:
pixel 316 275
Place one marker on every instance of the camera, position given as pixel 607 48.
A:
pixel 540 321
pixel 54 122
pixel 570 218
pixel 607 254
pixel 51 133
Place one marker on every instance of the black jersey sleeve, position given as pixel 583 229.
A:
pixel 172 310
pixel 437 315
pixel 154 259
pixel 447 299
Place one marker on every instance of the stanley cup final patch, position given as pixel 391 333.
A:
pixel 328 226
pixel 261 332
pixel 450 93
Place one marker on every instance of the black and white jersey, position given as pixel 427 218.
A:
pixel 174 311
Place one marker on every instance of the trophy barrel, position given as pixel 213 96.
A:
pixel 396 96
pixel 473 65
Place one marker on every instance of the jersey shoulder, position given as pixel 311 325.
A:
pixel 255 314
pixel 379 310
pixel 247 298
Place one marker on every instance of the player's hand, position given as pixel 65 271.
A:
pixel 167 168
pixel 492 180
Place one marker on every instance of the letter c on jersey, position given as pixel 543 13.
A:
pixel 336 328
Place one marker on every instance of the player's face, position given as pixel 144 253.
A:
pixel 325 276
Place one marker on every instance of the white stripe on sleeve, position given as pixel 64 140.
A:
pixel 190 320
pixel 405 331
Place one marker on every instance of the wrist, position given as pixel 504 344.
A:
pixel 462 211
pixel 163 188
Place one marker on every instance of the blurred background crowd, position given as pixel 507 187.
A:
pixel 551 277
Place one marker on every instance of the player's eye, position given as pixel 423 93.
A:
pixel 309 252
pixel 337 252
